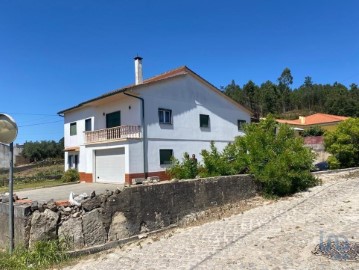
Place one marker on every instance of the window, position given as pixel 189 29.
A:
pixel 73 129
pixel 165 116
pixel 88 125
pixel 113 119
pixel 165 156
pixel 240 124
pixel 73 161
pixel 204 120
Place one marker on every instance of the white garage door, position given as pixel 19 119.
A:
pixel 110 165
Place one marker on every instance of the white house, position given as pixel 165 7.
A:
pixel 132 132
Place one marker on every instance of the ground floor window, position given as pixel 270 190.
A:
pixel 73 161
pixel 165 156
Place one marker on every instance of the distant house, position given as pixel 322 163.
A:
pixel 133 132
pixel 325 121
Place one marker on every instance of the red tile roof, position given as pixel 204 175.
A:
pixel 314 119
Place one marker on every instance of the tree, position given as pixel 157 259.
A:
pixel 343 144
pixel 284 82
pixel 234 91
pixel 251 95
pixel 270 102
pixel 36 151
pixel 276 157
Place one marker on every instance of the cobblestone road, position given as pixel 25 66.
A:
pixel 279 235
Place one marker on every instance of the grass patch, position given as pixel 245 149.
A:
pixel 32 185
pixel 42 176
pixel 42 256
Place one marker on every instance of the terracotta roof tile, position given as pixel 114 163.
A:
pixel 314 119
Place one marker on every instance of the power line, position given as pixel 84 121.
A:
pixel 34 114
pixel 44 123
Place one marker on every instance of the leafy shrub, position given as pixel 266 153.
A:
pixel 70 175
pixel 43 255
pixel 343 144
pixel 313 131
pixel 186 169
pixel 225 163
pixel 333 163
pixel 277 159
pixel 272 153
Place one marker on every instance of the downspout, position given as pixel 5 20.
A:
pixel 144 132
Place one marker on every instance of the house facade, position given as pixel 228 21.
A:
pixel 133 132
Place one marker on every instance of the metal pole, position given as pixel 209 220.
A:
pixel 11 202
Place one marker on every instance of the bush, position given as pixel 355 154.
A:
pixel 343 144
pixel 70 175
pixel 225 163
pixel 272 153
pixel 313 131
pixel 333 163
pixel 276 158
pixel 187 169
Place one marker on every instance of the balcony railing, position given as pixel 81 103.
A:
pixel 113 134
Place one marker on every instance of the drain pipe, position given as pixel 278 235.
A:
pixel 144 132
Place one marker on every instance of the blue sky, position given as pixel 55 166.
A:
pixel 55 54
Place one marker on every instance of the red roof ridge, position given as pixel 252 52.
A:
pixel 314 119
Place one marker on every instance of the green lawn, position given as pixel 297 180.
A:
pixel 39 177
pixel 33 185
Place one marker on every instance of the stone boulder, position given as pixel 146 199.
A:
pixel 71 232
pixel 43 226
pixel 93 229
pixel 91 203
pixel 118 228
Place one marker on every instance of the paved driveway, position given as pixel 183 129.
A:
pixel 63 192
pixel 279 235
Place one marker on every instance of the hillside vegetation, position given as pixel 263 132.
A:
pixel 280 99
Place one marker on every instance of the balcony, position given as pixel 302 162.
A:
pixel 113 134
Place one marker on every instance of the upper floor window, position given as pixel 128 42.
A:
pixel 204 120
pixel 73 129
pixel 165 116
pixel 88 125
pixel 113 119
pixel 165 156
pixel 240 124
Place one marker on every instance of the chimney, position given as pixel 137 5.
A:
pixel 302 120
pixel 138 70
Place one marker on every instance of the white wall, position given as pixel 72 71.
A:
pixel 179 147
pixel 188 98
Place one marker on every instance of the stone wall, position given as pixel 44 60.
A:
pixel 119 214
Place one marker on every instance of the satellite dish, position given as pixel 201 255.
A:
pixel 8 129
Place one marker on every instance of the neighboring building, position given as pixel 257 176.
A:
pixel 325 121
pixel 133 132
pixel 5 155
